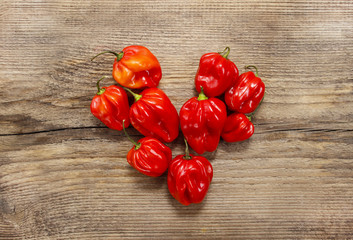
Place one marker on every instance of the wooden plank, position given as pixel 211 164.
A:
pixel 64 175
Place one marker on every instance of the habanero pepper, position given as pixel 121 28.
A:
pixel 189 177
pixel 135 67
pixel 216 73
pixel 149 156
pixel 154 115
pixel 202 120
pixel 111 106
pixel 246 94
pixel 237 127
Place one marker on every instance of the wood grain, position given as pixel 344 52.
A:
pixel 64 175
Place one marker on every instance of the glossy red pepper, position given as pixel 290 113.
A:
pixel 216 73
pixel 135 67
pixel 246 94
pixel 202 120
pixel 238 127
pixel 149 156
pixel 111 106
pixel 154 115
pixel 189 178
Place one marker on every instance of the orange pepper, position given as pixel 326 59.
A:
pixel 135 67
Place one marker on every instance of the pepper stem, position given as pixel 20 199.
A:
pixel 136 96
pixel 118 55
pixel 225 52
pixel 137 145
pixel 100 90
pixel 187 154
pixel 252 66
pixel 202 95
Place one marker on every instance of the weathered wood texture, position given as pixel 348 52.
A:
pixel 63 175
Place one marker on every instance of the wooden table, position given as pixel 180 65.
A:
pixel 64 175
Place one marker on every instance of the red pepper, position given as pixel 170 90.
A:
pixel 238 127
pixel 111 106
pixel 202 120
pixel 246 94
pixel 189 178
pixel 136 67
pixel 216 73
pixel 154 115
pixel 149 156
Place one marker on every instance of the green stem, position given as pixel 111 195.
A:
pixel 137 145
pixel 100 90
pixel 252 66
pixel 202 96
pixel 118 55
pixel 136 96
pixel 187 154
pixel 225 52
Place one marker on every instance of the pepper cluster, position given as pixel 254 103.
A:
pixel 203 119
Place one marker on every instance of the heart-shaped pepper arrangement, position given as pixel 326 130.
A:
pixel 203 119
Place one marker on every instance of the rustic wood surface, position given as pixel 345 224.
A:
pixel 64 175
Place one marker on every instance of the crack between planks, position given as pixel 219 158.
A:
pixel 102 127
pixel 308 130
pixel 50 130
